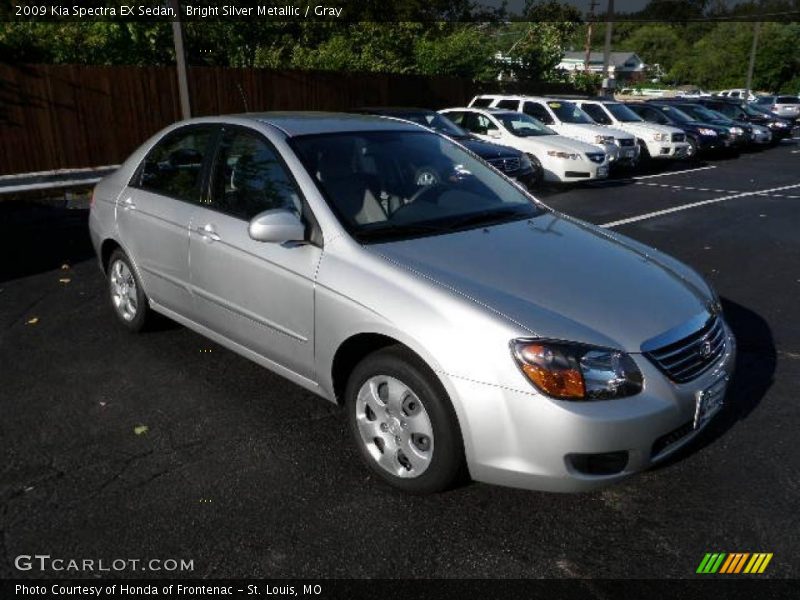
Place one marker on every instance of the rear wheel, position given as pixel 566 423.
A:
pixel 125 291
pixel 403 422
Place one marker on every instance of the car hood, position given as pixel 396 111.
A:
pixel 643 129
pixel 487 150
pixel 560 142
pixel 707 125
pixel 588 131
pixel 559 278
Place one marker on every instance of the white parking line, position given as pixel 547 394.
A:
pixel 675 209
pixel 675 172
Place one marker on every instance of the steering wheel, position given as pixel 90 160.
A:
pixel 427 190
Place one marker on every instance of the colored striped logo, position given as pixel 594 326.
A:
pixel 734 563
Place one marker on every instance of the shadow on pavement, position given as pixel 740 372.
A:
pixel 41 236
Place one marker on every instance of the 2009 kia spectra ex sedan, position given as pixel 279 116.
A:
pixel 384 267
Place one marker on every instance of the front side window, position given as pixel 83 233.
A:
pixel 538 112
pixel 597 113
pixel 391 185
pixel 174 166
pixel 249 178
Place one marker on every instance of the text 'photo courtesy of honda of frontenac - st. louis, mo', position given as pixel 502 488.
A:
pixel 466 328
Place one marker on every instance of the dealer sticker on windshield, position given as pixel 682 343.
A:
pixel 709 402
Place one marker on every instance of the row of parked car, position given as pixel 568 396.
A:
pixel 562 140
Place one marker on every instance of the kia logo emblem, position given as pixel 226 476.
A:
pixel 705 349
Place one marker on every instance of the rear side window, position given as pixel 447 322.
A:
pixel 174 166
pixel 249 178
pixel 508 104
pixel 482 102
pixel 537 111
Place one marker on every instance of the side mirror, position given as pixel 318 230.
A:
pixel 494 133
pixel 277 226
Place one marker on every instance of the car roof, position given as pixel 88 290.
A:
pixel 393 110
pixel 309 123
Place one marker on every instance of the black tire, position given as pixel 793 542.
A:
pixel 691 153
pixel 141 316
pixel 538 172
pixel 446 467
pixel 644 153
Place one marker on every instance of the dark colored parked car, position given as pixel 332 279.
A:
pixel 752 113
pixel 742 133
pixel 702 137
pixel 510 161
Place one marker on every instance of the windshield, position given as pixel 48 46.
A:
pixel 623 114
pixel 678 115
pixel 752 112
pixel 787 100
pixel 435 121
pixel 393 185
pixel 701 113
pixel 523 125
pixel 567 112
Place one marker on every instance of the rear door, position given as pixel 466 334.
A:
pixel 154 212
pixel 259 295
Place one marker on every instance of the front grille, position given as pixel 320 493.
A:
pixel 687 358
pixel 626 142
pixel 673 437
pixel 505 164
pixel 596 157
pixel 678 137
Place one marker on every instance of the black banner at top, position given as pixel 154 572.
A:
pixel 397 10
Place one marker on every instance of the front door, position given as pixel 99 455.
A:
pixel 259 295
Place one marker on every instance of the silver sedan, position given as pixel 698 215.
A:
pixel 465 328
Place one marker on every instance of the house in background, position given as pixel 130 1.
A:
pixel 625 66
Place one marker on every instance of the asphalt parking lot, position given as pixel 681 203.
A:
pixel 165 445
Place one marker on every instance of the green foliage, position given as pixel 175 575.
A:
pixel 462 51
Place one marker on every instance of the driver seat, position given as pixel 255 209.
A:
pixel 355 194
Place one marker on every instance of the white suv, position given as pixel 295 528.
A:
pixel 567 119
pixel 655 141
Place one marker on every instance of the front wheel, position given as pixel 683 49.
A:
pixel 403 422
pixel 691 151
pixel 537 175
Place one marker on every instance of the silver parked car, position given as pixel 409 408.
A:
pixel 464 326
pixel 783 106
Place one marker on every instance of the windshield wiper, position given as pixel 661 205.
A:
pixel 399 231
pixel 487 217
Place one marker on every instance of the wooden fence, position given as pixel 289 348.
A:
pixel 63 116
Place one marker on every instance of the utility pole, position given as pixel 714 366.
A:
pixel 590 23
pixel 180 60
pixel 756 30
pixel 607 48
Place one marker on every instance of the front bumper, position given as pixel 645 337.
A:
pixel 529 441
pixel 667 150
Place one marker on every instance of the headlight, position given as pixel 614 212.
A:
pixel 708 132
pixel 781 124
pixel 570 371
pixel 604 139
pixel 661 137
pixel 525 161
pixel 559 154
pixel 737 131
